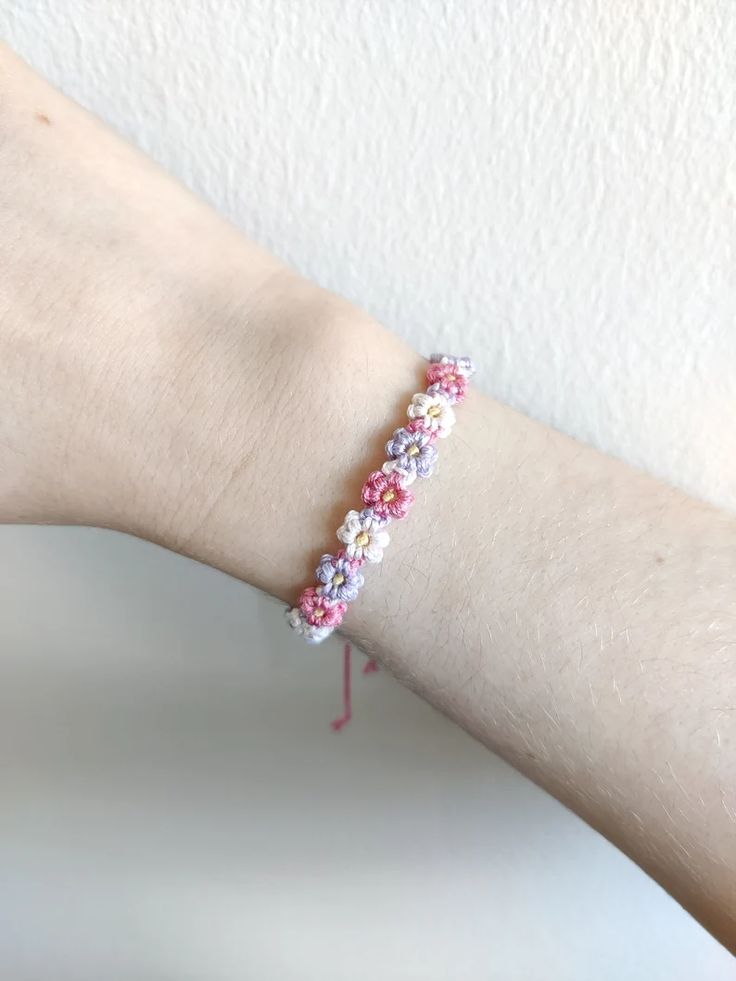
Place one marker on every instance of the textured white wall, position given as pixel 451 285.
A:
pixel 544 185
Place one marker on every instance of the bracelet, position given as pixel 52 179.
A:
pixel 411 453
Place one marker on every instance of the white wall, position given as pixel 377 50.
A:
pixel 544 185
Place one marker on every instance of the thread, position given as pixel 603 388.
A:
pixel 347 702
pixel 370 667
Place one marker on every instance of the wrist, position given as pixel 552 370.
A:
pixel 286 419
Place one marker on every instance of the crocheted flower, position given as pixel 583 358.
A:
pixel 435 412
pixel 362 535
pixel 319 611
pixel 340 577
pixel 412 451
pixel 445 379
pixel 312 635
pixel 464 365
pixel 387 494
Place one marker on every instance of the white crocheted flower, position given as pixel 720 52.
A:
pixel 312 634
pixel 362 535
pixel 434 411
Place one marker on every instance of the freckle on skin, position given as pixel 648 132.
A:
pixel 43 118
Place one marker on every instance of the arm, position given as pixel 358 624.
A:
pixel 161 375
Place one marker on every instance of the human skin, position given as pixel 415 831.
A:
pixel 161 375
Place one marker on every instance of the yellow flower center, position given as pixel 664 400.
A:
pixel 362 539
pixel 413 450
pixel 338 579
pixel 318 613
pixel 451 378
pixel 388 496
pixel 433 411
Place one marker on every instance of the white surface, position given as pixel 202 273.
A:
pixel 176 806
pixel 545 185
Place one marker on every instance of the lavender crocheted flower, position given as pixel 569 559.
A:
pixel 339 577
pixel 412 452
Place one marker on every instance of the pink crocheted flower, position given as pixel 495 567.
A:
pixel 447 380
pixel 319 611
pixel 463 366
pixel 386 494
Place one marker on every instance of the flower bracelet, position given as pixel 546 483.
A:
pixel 411 453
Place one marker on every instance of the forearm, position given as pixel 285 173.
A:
pixel 163 376
pixel 112 276
pixel 579 619
pixel 576 616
